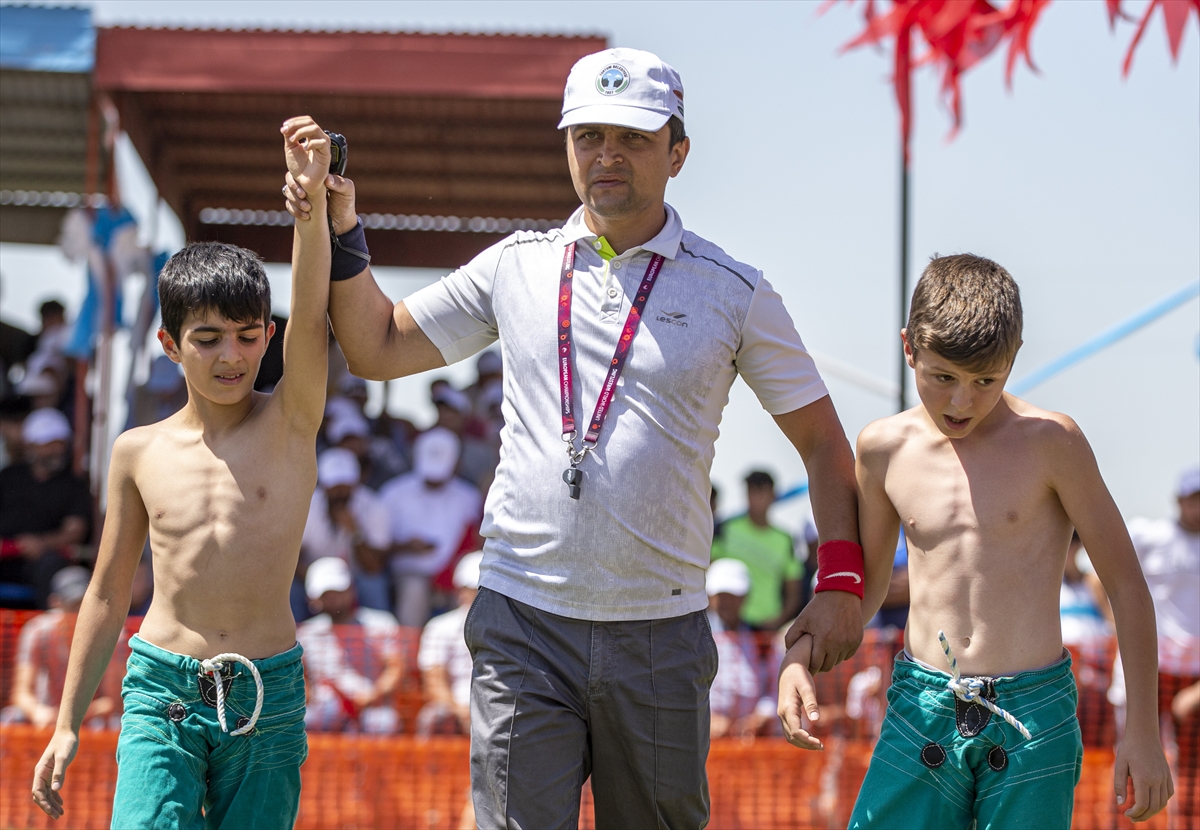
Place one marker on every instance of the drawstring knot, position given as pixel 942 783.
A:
pixel 970 689
pixel 214 667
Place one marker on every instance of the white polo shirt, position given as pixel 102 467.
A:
pixel 636 544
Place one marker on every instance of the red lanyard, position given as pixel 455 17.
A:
pixel 573 476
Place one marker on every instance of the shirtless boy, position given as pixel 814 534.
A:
pixel 989 488
pixel 223 488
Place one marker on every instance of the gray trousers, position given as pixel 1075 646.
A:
pixel 555 699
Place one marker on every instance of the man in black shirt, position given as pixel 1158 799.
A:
pixel 44 510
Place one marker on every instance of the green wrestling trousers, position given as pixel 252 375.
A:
pixel 941 763
pixel 176 768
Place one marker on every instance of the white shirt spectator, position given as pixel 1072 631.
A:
pixel 344 661
pixel 1170 558
pixel 443 644
pixel 322 538
pixel 439 515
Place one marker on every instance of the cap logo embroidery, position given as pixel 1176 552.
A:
pixel 612 80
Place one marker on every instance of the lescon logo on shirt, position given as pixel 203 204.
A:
pixel 612 80
pixel 674 318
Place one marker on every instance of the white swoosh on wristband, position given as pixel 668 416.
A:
pixel 857 578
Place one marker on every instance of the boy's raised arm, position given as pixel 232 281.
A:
pixel 1091 508
pixel 101 617
pixel 306 339
pixel 878 522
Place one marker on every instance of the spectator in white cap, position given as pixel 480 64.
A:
pixel 432 512
pixel 478 457
pixel 1169 550
pixel 378 459
pixel 347 520
pixel 598 525
pixel 743 692
pixel 445 661
pixel 45 510
pixel 41 665
pixel 352 656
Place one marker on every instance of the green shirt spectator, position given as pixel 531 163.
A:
pixel 767 551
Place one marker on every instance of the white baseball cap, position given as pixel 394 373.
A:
pixel 489 363
pixel 347 424
pixel 626 87
pixel 44 426
pixel 328 573
pixel 466 573
pixel 451 397
pixel 70 584
pixel 337 466
pixel 727 576
pixel 435 454
pixel 1189 482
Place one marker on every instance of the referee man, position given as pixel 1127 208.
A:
pixel 621 334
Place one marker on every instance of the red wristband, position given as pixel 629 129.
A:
pixel 840 567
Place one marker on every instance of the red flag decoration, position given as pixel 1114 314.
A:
pixel 960 33
pixel 1175 14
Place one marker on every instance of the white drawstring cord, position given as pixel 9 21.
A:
pixel 214 667
pixel 969 690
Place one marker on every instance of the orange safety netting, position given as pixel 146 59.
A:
pixel 403 781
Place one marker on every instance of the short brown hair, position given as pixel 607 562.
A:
pixel 966 309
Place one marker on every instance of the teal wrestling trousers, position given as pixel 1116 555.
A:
pixel 942 763
pixel 176 768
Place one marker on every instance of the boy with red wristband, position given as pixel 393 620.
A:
pixel 980 728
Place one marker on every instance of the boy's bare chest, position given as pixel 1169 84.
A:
pixel 994 495
pixel 245 485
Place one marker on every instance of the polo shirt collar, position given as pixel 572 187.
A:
pixel 666 242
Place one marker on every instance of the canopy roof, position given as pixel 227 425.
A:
pixel 45 87
pixel 452 137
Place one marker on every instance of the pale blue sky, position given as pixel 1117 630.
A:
pixel 1086 186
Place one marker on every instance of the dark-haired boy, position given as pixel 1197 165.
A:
pixel 980 729
pixel 213 730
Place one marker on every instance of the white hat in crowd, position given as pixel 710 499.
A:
pixel 727 576
pixel 489 363
pixel 70 584
pixel 328 573
pixel 1189 483
pixel 435 454
pixel 337 466
pixel 347 424
pixel 44 426
pixel 451 397
pixel 37 383
pixel 626 87
pixel 466 573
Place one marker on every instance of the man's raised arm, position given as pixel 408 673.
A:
pixel 381 341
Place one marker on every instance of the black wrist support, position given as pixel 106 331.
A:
pixel 350 257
